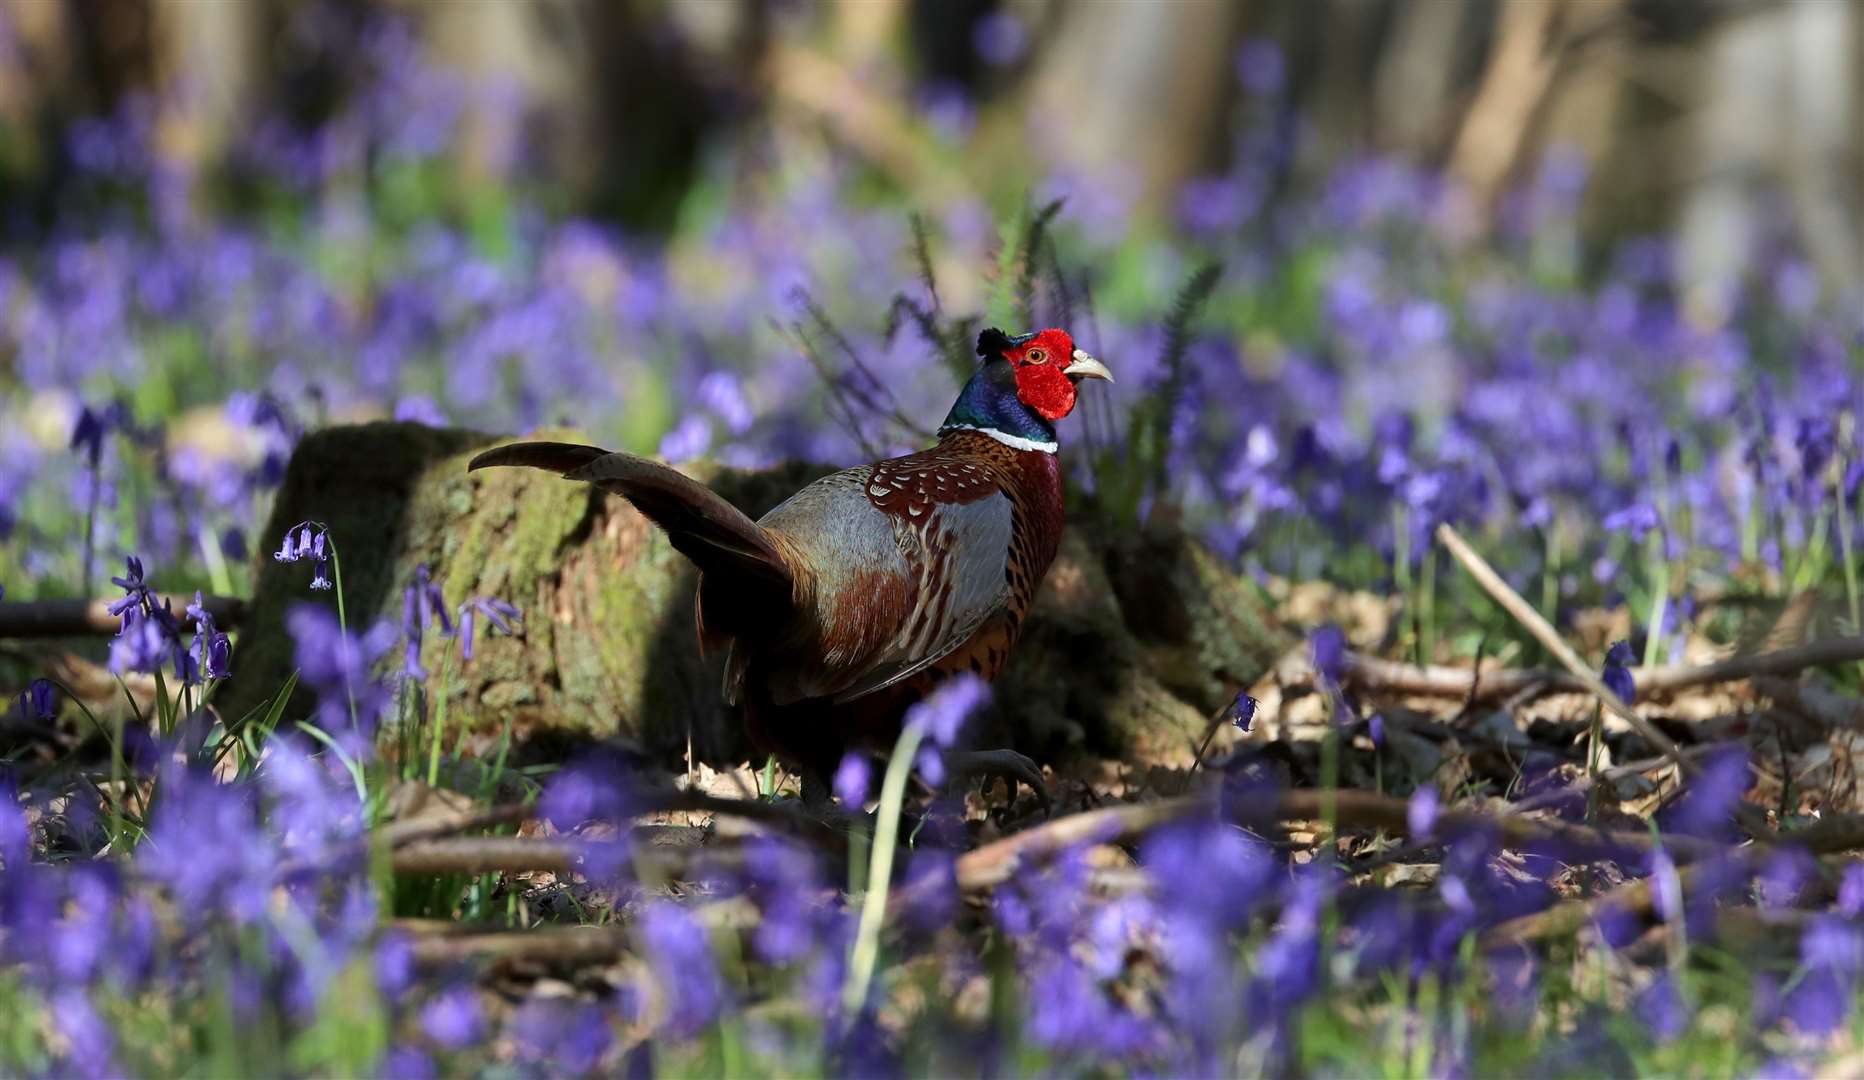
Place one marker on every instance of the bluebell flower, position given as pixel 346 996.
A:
pixel 211 651
pixel 1661 1008
pixel 1242 712
pixel 498 612
pixel 1637 519
pixel 37 701
pixel 1707 804
pixel 1421 813
pixel 1851 891
pixel 338 666
pixel 943 714
pixel 930 764
pixel 1261 67
pixel 593 788
pixel 454 1019
pixel 1616 674
pixel 852 779
pixel 1327 649
pixel 1000 38
pixel 407 1063
pixel 681 953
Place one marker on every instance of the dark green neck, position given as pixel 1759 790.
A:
pixel 988 403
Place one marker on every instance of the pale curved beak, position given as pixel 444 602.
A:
pixel 1084 366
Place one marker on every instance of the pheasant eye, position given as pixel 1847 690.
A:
pixel 1035 356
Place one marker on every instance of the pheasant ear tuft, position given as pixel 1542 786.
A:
pixel 993 343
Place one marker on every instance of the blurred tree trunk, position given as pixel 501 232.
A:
pixel 1775 109
pixel 207 61
pixel 1138 90
pixel 1414 97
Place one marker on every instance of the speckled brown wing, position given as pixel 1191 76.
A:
pixel 905 559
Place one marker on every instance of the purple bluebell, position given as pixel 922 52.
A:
pixel 1000 38
pixel 852 779
pixel 1707 804
pixel 308 540
pixel 929 763
pixel 407 1063
pixel 497 612
pixel 1421 813
pixel 942 715
pixel 1242 712
pixel 37 702
pixel 453 1019
pixel 1660 1006
pixel 680 951
pixel 338 666
pixel 211 651
pixel 1616 674
pixel 593 788
pixel 1327 650
pixel 1851 891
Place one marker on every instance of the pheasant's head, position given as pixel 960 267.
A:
pixel 1046 366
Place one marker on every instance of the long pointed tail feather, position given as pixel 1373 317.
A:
pixel 702 526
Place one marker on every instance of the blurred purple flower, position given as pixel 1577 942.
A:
pixel 688 440
pixel 594 788
pixel 681 953
pixel 942 715
pixel 930 764
pixel 852 779
pixel 453 1019
pixel 1851 891
pixel 1212 873
pixel 91 1045
pixel 1661 1008
pixel 1637 519
pixel 338 666
pixel 394 965
pixel 419 409
pixel 1261 67
pixel 1000 38
pixel 408 1063
pixel 1421 813
pixel 1707 805
pixel 1327 649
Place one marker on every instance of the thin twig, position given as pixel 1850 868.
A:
pixel 1544 632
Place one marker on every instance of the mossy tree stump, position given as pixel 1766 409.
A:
pixel 607 648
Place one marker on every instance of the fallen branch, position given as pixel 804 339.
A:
pixel 569 945
pixel 75 618
pixel 996 862
pixel 490 854
pixel 1827 837
pixel 1437 680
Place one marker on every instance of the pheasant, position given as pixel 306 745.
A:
pixel 857 595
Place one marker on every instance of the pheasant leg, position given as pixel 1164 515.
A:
pixel 1008 764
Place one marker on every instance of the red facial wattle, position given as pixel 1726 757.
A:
pixel 1040 381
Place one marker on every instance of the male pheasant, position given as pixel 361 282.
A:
pixel 851 600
